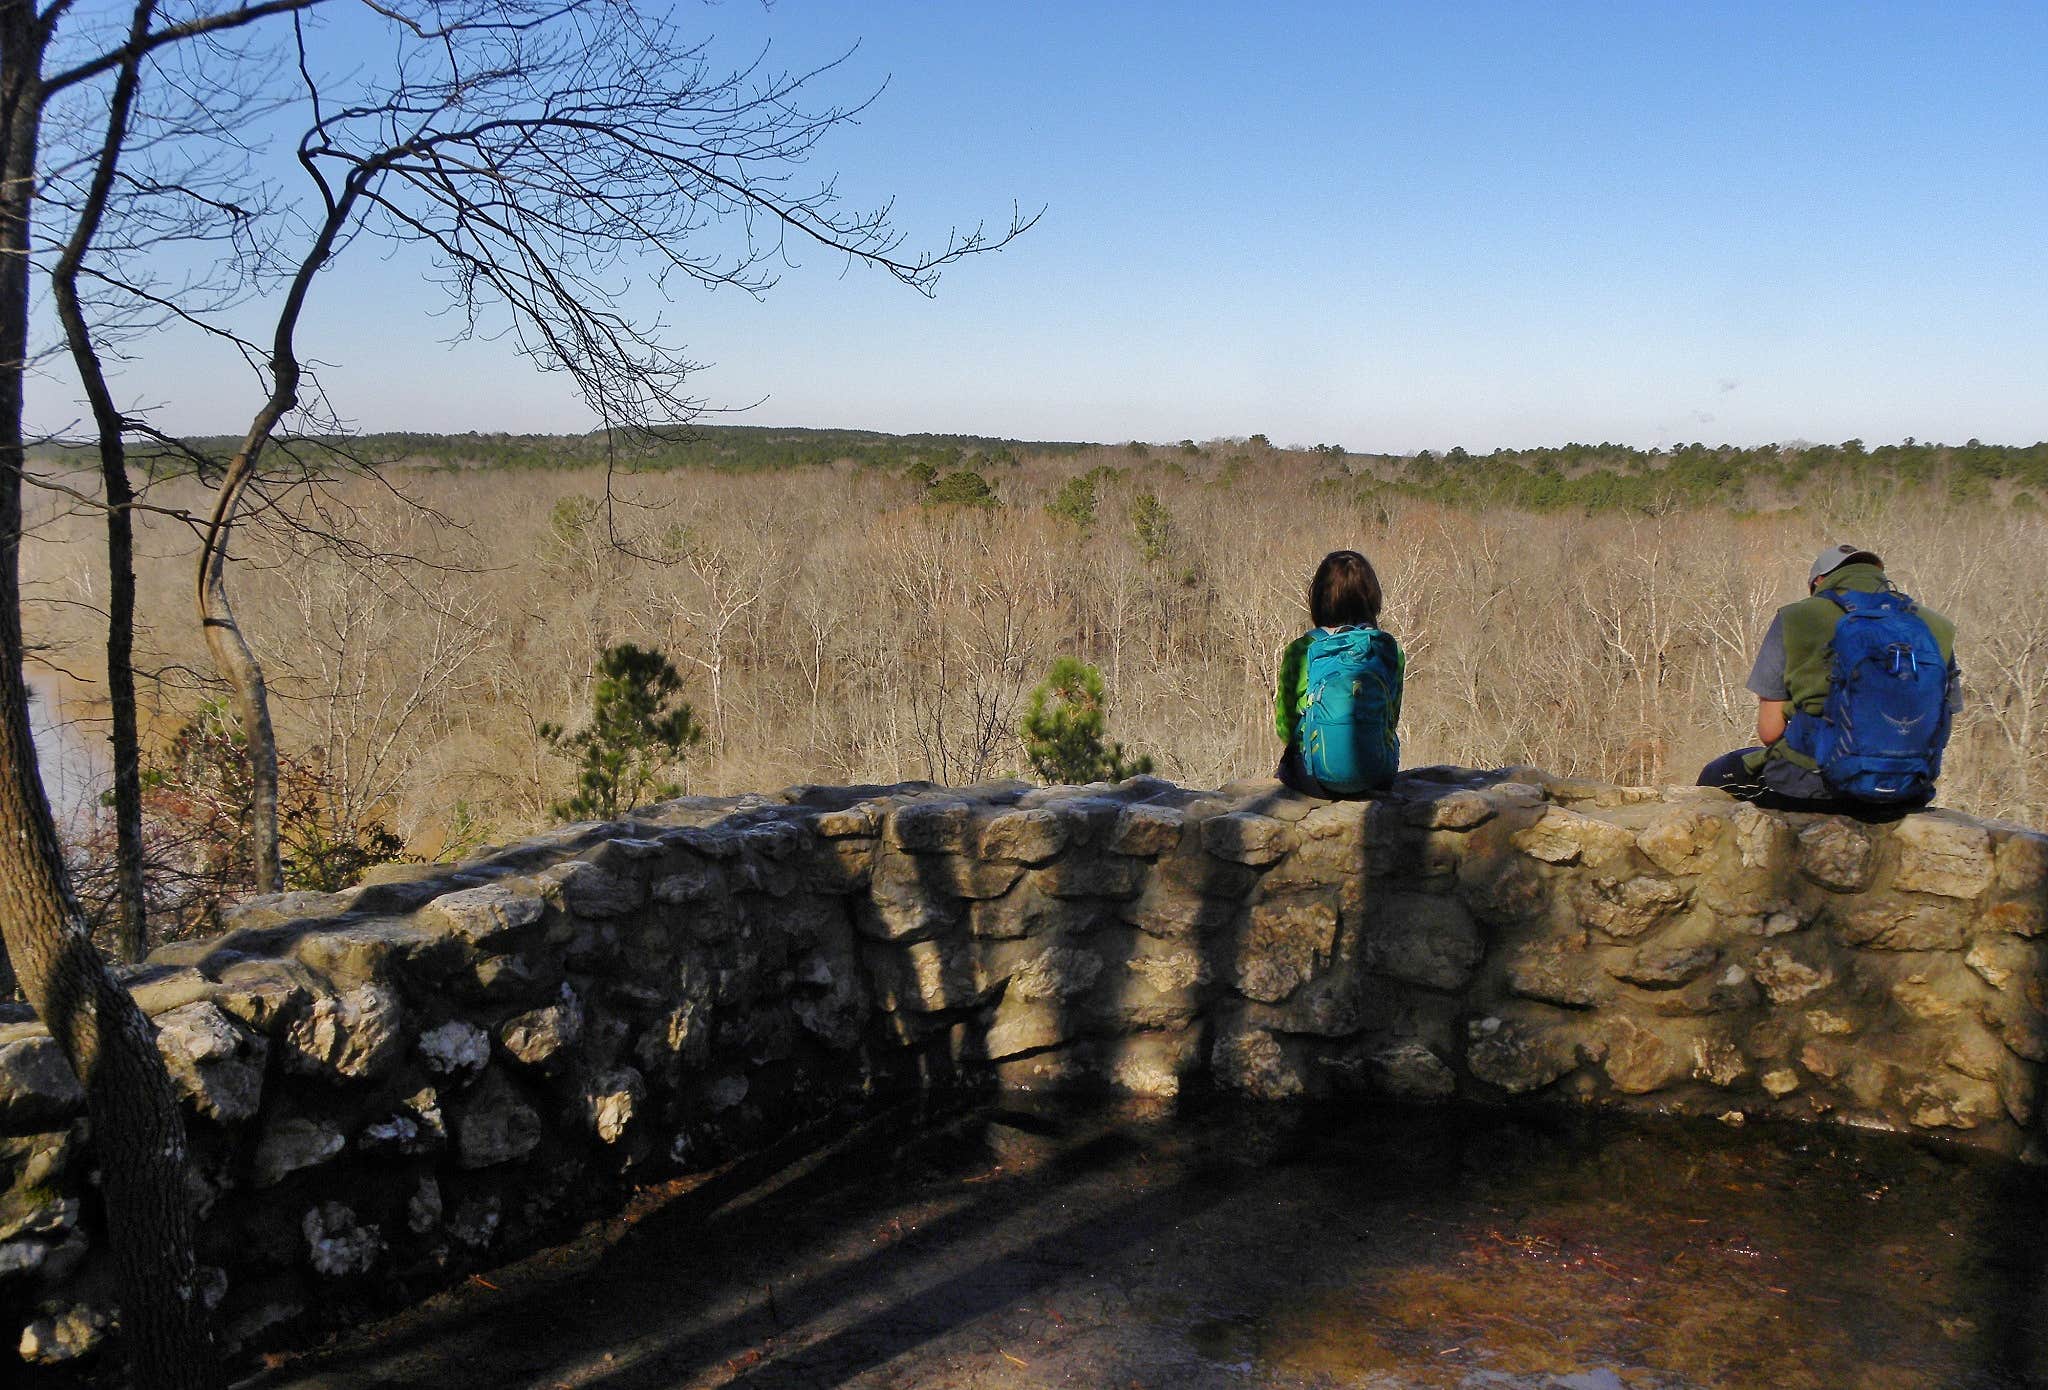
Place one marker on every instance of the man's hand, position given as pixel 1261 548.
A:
pixel 1770 721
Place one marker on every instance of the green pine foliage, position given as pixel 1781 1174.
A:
pixel 638 730
pixel 964 488
pixel 1063 729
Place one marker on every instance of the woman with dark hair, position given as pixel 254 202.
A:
pixel 1339 694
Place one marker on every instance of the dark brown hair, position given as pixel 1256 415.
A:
pixel 1345 591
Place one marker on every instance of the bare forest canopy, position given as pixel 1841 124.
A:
pixel 1592 477
pixel 845 607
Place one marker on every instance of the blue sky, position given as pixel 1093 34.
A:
pixel 1384 226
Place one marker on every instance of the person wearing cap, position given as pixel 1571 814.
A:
pixel 1792 672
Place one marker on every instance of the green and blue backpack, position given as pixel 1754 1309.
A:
pixel 1347 737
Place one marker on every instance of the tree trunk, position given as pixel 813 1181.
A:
pixel 132 934
pixel 138 1137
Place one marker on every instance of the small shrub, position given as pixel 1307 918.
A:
pixel 638 730
pixel 964 488
pixel 1063 729
pixel 1152 527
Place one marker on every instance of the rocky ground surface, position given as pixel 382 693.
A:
pixel 1266 1247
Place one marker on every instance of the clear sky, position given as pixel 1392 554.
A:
pixel 1382 226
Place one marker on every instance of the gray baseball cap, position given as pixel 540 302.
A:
pixel 1836 556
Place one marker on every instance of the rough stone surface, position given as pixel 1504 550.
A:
pixel 433 1070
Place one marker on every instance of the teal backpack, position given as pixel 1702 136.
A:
pixel 1347 737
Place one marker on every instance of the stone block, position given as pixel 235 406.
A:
pixel 1283 943
pixel 455 1049
pixel 859 820
pixel 931 827
pixel 1242 837
pixel 291 1145
pixel 1145 831
pixel 357 1035
pixel 1787 979
pixel 1943 854
pixel 924 976
pixel 2022 860
pixel 1641 1059
pixel 1626 908
pixel 2004 961
pixel 1882 922
pixel 2018 916
pixel 494 1124
pixel 215 1062
pixel 540 1037
pixel 1027 837
pixel 1567 837
pixel 37 1088
pixel 1504 891
pixel 1519 1055
pixel 1254 1062
pixel 1558 970
pixel 1837 855
pixel 1665 967
pixel 1089 876
pixel 1422 939
pixel 492 915
pixel 1681 840
pixel 1409 1070
pixel 1455 810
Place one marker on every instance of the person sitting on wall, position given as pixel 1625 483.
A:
pixel 1856 688
pixel 1338 698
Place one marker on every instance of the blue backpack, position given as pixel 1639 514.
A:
pixel 1880 734
pixel 1346 733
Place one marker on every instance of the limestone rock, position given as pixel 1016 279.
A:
pixel 1788 979
pixel 1668 967
pixel 2022 859
pixel 1950 1102
pixel 1557 970
pixel 585 890
pixel 337 1244
pixel 215 1062
pixel 1718 1061
pixel 289 1145
pixel 1780 1082
pixel 1884 923
pixel 611 1100
pixel 37 1086
pixel 1762 840
pixel 52 1340
pixel 357 1035
pixel 1681 840
pixel 454 1049
pixel 1458 810
pixel 423 1208
pixel 1518 1055
pixel 1059 972
pixel 1245 838
pixel 1028 837
pixel 854 821
pixel 1626 908
pixel 1285 942
pixel 1409 1070
pixel 1144 831
pixel 1423 939
pixel 1931 997
pixel 492 914
pixel 1639 1059
pixel 475 1222
pixel 494 1125
pixel 924 976
pixel 1943 854
pixel 2001 960
pixel 539 1036
pixel 931 827
pixel 1567 837
pixel 1254 1062
pixel 1836 854
pixel 1085 876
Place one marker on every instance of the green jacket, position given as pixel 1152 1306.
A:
pixel 1290 693
pixel 1808 628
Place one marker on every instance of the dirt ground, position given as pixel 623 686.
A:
pixel 1006 1246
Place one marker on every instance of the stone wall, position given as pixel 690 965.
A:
pixel 441 1065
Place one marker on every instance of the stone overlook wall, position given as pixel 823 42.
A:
pixel 438 1066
